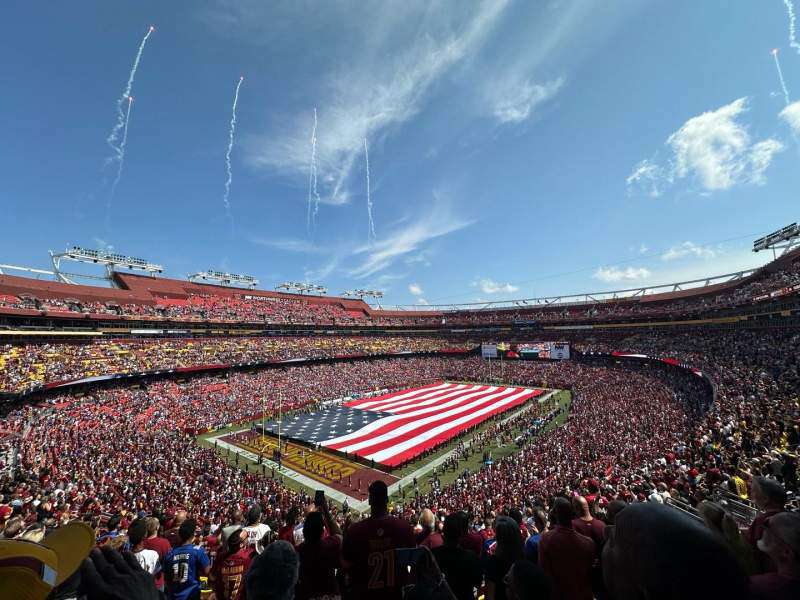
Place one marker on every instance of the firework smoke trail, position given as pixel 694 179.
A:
pixel 371 231
pixel 115 131
pixel 780 77
pixel 313 194
pixel 226 196
pixel 121 158
pixel 792 31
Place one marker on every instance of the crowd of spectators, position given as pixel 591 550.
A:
pixel 28 366
pixel 635 435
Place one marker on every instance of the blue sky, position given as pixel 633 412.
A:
pixel 516 148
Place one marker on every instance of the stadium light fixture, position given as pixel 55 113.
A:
pixel 112 261
pixel 786 239
pixel 225 279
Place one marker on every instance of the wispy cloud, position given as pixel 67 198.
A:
pixel 489 286
pixel 791 114
pixel 407 239
pixel 290 245
pixel 615 274
pixel 319 274
pixel 688 249
pixel 648 177
pixel 714 149
pixel 516 100
pixel 384 87
pixel 103 244
pixel 415 289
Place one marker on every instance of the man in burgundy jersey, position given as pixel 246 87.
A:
pixel 368 549
pixel 227 574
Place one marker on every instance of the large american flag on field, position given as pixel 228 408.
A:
pixel 394 428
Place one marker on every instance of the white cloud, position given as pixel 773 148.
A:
pixel 646 176
pixel 407 239
pixel 415 289
pixel 103 245
pixel 613 274
pixel 515 101
pixel 318 274
pixel 643 249
pixel 290 245
pixel 421 258
pixel 688 249
pixel 422 301
pixel 714 149
pixel 791 114
pixel 488 286
pixel 382 85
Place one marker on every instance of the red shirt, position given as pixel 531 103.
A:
pixel 594 529
pixel 227 574
pixel 369 547
pixel 567 556
pixel 161 546
pixel 472 541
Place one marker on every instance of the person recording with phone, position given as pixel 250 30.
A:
pixel 320 555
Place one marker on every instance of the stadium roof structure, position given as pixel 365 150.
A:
pixel 705 284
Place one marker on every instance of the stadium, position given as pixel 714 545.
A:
pixel 275 366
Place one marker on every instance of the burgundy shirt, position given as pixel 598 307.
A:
pixel 161 546
pixel 227 574
pixel 318 565
pixel 594 529
pixel 567 556
pixel 369 546
pixel 473 542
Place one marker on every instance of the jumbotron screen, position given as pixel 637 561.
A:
pixel 527 350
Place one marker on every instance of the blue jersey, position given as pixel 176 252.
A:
pixel 182 566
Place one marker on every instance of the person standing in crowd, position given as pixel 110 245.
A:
pixel 567 556
pixel 172 533
pixel 461 568
pixel 368 549
pixel 286 533
pixel 257 532
pixel 654 551
pixel 780 540
pixel 273 573
pixel 507 550
pixel 147 559
pixel 585 524
pixel 159 544
pixel 428 537
pixel 527 581
pixel 531 550
pixel 320 557
pixel 228 571
pixel 770 499
pixel 184 565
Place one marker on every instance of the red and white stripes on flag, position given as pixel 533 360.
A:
pixel 424 417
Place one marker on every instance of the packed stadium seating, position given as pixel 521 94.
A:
pixel 29 366
pixel 637 432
